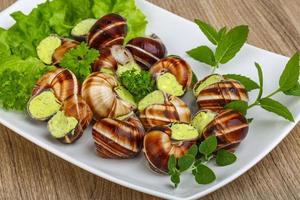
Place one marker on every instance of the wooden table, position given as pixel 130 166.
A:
pixel 29 172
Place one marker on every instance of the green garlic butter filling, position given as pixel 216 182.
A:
pixel 156 97
pixel 183 132
pixel 125 95
pixel 47 47
pixel 168 83
pixel 61 125
pixel 202 119
pixel 83 27
pixel 209 81
pixel 43 106
pixel 130 66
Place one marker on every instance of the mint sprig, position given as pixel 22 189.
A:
pixel 195 161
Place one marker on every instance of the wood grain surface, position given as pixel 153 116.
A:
pixel 29 172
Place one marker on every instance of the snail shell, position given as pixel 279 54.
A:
pixel 62 82
pixel 98 90
pixel 115 138
pixel 173 110
pixel 216 96
pixel 159 146
pixel 147 50
pixel 230 127
pixel 176 66
pixel 76 107
pixel 67 44
pixel 110 58
pixel 108 31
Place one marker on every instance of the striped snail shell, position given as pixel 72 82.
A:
pixel 67 44
pixel 159 146
pixel 62 82
pixel 147 50
pixel 217 95
pixel 108 31
pixel 119 138
pixel 110 57
pixel 173 110
pixel 176 66
pixel 99 91
pixel 230 127
pixel 76 107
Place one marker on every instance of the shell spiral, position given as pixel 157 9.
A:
pixel 118 138
pixel 109 30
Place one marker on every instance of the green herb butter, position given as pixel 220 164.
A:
pixel 183 132
pixel 168 83
pixel 209 81
pixel 128 67
pixel 125 95
pixel 83 27
pixel 61 125
pixel 202 119
pixel 47 47
pixel 156 97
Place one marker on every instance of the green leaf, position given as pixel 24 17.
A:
pixel 249 120
pixel 171 163
pixel 194 80
pixel 290 75
pixel 193 150
pixel 295 91
pixel 204 175
pixel 239 106
pixel 209 31
pixel 209 145
pixel 185 162
pixel 261 80
pixel 222 32
pixel 231 44
pixel 175 178
pixel 245 81
pixel 203 54
pixel 277 108
pixel 225 158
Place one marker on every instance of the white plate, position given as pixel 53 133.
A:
pixel 179 35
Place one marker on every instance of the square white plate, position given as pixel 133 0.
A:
pixel 179 35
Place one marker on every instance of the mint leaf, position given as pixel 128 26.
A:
pixel 204 175
pixel 185 162
pixel 231 43
pixel 277 108
pixel 225 158
pixel 209 145
pixel 261 80
pixel 175 178
pixel 171 164
pixel 290 75
pixel 239 106
pixel 209 31
pixel 222 33
pixel 194 80
pixel 203 54
pixel 295 91
pixel 193 150
pixel 245 81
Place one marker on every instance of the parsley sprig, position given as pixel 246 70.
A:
pixel 196 159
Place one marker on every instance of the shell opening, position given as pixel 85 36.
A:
pixel 43 106
pixel 183 132
pixel 83 27
pixel 207 82
pixel 168 83
pixel 121 54
pixel 125 95
pixel 156 97
pixel 61 125
pixel 47 47
pixel 202 119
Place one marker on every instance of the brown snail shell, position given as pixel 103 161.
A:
pixel 176 66
pixel 76 107
pixel 98 90
pixel 108 31
pixel 62 82
pixel 173 110
pixel 159 146
pixel 147 50
pixel 110 57
pixel 115 138
pixel 230 127
pixel 216 96
pixel 67 44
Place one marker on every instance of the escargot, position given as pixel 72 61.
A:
pixel 67 45
pixel 215 91
pixel 162 141
pixel 159 108
pixel 109 30
pixel 147 50
pixel 111 57
pixel 106 97
pixel 173 75
pixel 119 138
pixel 229 126
pixel 69 123
pixel 50 91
